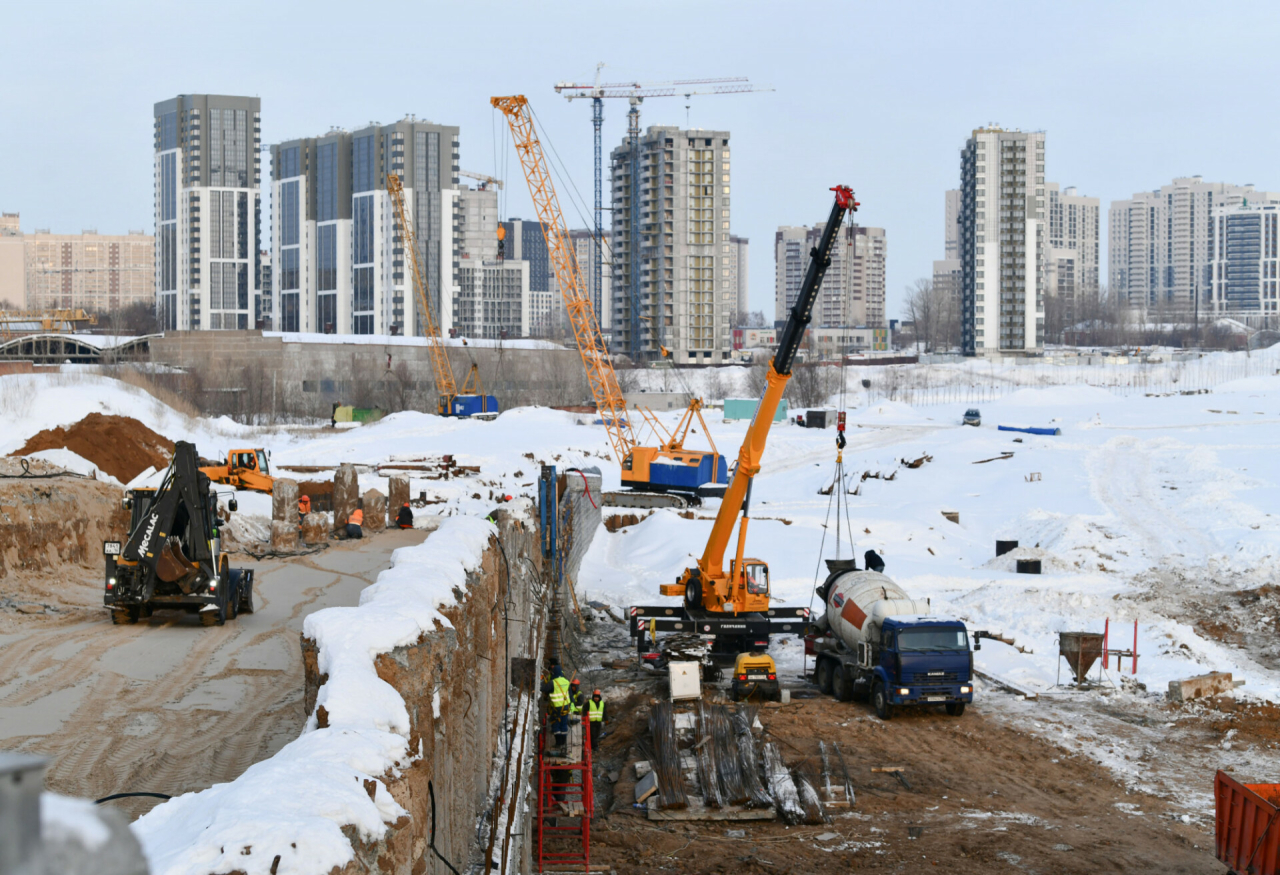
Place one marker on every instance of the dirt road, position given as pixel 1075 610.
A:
pixel 168 706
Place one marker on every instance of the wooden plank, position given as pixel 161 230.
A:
pixel 698 810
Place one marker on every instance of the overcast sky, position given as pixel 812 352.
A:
pixel 880 96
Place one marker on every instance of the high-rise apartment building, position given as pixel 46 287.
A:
pixel 1003 237
pixel 1243 262
pixel 13 270
pixel 1161 242
pixel 525 241
pixel 337 249
pixel 946 271
pixel 1071 261
pixel 853 289
pixel 263 308
pixel 96 272
pixel 208 209
pixel 739 273
pixel 490 295
pixel 586 251
pixel 671 283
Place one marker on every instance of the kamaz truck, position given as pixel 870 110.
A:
pixel 172 557
pixel 875 641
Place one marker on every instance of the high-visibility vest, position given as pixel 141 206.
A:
pixel 575 702
pixel 595 710
pixel 560 692
pixel 356 518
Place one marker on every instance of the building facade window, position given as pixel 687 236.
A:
pixel 289 225
pixel 327 182
pixel 362 159
pixel 327 258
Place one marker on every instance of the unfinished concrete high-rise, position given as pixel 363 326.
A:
pixel 1071 261
pixel 1003 238
pixel 946 271
pixel 671 284
pixel 208 210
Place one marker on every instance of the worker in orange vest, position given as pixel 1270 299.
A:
pixel 354 523
pixel 304 505
pixel 404 519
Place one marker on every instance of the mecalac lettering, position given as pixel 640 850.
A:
pixel 146 536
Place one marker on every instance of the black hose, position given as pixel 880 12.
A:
pixel 125 795
pixel 431 791
pixel 27 475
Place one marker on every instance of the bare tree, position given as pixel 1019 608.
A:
pixel 922 311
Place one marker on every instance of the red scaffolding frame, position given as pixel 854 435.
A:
pixel 565 807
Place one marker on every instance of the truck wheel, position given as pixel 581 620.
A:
pixel 124 616
pixel 955 709
pixel 693 593
pixel 216 617
pixel 824 676
pixel 880 699
pixel 842 684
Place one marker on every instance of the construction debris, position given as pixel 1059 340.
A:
pixel 1002 456
pixel 1213 684
pixel 666 759
pixel 916 463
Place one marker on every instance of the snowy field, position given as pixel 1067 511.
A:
pixel 1146 502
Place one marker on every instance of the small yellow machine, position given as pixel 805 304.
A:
pixel 755 676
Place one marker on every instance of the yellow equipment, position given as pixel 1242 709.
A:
pixel 245 469
pixel 733 605
pixel 754 676
pixel 450 401
pixel 648 469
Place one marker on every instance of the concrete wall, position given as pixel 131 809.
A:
pixel 273 374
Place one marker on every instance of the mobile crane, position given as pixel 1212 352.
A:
pixel 731 608
pixel 471 400
pixel 645 469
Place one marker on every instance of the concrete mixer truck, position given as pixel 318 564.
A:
pixel 874 640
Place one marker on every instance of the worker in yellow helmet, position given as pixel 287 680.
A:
pixel 595 716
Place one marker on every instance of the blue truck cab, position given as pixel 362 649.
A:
pixel 922 660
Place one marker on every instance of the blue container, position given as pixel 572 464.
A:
pixel 688 478
pixel 470 405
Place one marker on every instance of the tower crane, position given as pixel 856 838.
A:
pixel 669 467
pixel 485 181
pixel 471 400
pixel 635 93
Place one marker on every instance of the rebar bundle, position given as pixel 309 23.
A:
pixel 725 754
pixel 757 795
pixel 781 787
pixel 804 779
pixel 704 751
pixel 844 768
pixel 666 759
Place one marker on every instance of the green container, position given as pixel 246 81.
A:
pixel 745 408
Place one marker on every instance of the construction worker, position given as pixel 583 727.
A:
pixel 355 523
pixel 576 700
pixel 557 690
pixel 595 716
pixel 404 519
pixel 304 505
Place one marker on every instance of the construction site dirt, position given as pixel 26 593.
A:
pixel 165 706
pixel 983 796
pixel 118 445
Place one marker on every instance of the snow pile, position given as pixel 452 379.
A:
pixel 403 605
pixel 73 462
pixel 294 805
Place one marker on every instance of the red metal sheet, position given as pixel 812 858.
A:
pixel 1247 834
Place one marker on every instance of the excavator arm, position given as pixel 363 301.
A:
pixel 707 585
pixel 179 510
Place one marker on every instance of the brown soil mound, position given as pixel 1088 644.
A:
pixel 119 445
pixel 47 525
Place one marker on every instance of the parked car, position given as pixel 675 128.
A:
pixel 972 417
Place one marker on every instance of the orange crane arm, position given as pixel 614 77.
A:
pixel 586 330
pixel 446 387
pixel 738 494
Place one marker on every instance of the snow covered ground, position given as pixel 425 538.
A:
pixel 1143 501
